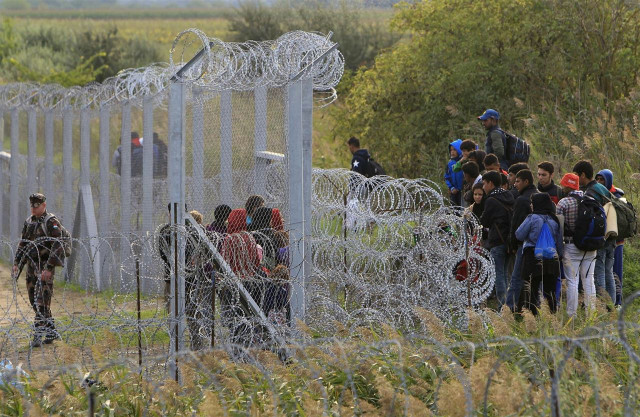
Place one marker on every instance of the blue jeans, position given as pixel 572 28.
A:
pixel 603 273
pixel 617 269
pixel 499 254
pixel 513 295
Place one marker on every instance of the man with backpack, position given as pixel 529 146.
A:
pixel 496 219
pixel 44 245
pixel 605 177
pixel 136 156
pixel 362 162
pixel 496 141
pixel 584 227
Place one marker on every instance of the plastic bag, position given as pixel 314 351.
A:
pixel 545 245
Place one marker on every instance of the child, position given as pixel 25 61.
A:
pixel 466 147
pixel 454 179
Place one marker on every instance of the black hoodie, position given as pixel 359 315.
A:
pixel 360 162
pixel 497 217
pixel 521 209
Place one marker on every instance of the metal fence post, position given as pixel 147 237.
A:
pixel 14 180
pixel 31 151
pixel 125 182
pixel 176 170
pixel 296 200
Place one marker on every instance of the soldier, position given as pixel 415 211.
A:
pixel 41 249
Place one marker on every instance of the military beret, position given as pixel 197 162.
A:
pixel 37 198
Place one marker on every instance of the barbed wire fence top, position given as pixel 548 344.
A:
pixel 208 250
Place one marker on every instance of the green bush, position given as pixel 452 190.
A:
pixel 44 53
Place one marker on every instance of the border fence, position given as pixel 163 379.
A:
pixel 361 291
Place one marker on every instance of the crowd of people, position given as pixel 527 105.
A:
pixel 255 247
pixel 539 234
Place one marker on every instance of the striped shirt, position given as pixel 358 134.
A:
pixel 568 207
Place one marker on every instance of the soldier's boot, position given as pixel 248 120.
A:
pixel 37 340
pixel 51 334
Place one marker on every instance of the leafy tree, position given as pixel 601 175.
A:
pixel 464 56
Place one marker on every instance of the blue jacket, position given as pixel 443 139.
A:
pixel 454 179
pixel 529 231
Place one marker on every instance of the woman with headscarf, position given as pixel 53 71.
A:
pixel 239 248
pixel 265 236
pixel 545 269
pixel 219 223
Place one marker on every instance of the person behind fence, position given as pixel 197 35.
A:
pixel 496 219
pixel 472 177
pixel 136 157
pixel 43 246
pixel 219 223
pixel 253 202
pixel 491 163
pixel 466 147
pixel 542 250
pixel 578 264
pixel 360 157
pixel 496 141
pixel 163 233
pixel 477 207
pixel 478 156
pixel 605 177
pixel 546 184
pixel 265 236
pixel 454 180
pixel 603 271
pixel 525 189
pixel 198 289
pixel 240 252
pixel 159 157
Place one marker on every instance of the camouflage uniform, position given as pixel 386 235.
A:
pixel 40 251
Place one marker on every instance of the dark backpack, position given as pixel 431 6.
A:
pixel 627 218
pixel 591 224
pixel 136 161
pixel 516 149
pixel 374 168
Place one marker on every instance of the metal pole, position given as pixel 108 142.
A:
pixel 14 176
pixel 213 311
pixel 176 312
pixel 138 310
pixel 466 251
pixel 296 198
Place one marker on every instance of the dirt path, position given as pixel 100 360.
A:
pixel 17 308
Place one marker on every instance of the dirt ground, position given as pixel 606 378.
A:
pixel 69 303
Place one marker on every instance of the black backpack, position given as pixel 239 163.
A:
pixel 374 168
pixel 516 149
pixel 591 224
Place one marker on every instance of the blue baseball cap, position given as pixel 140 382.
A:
pixel 488 114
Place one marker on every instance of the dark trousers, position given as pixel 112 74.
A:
pixel 198 309
pixel 40 294
pixel 534 272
